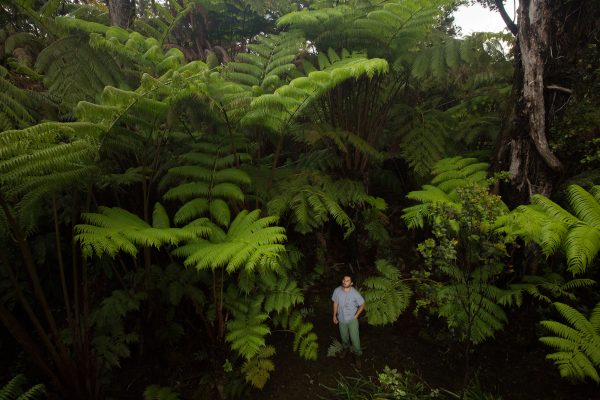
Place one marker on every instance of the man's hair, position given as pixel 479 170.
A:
pixel 350 275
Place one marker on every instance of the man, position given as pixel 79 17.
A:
pixel 347 306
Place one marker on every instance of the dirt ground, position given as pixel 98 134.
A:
pixel 512 366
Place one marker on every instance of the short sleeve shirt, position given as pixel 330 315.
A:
pixel 348 302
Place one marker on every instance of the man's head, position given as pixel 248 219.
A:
pixel 346 281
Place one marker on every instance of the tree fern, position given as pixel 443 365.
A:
pixel 477 311
pixel 277 111
pixel 16 389
pixel 447 54
pixel 15 107
pixel 316 20
pixel 43 159
pixel 577 345
pixel 386 296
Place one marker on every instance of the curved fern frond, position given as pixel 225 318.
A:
pixel 73 71
pixel 207 180
pixel 543 288
pixel 15 389
pixel 585 205
pixel 449 175
pixel 277 111
pixel 557 229
pixel 250 242
pixel 577 344
pixel 399 25
pixel 268 61
pixel 257 370
pixel 312 198
pixel 246 331
pixel 386 295
pixel 114 230
pixel 281 295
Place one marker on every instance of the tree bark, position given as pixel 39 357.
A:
pixel 121 12
pixel 523 149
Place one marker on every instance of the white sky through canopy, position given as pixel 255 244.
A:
pixel 476 18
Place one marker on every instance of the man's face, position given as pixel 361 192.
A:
pixel 346 282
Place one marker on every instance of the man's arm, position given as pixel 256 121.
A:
pixel 335 308
pixel 360 309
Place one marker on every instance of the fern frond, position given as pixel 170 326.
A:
pixel 257 370
pixel 155 392
pixel 449 175
pixel 282 295
pixel 15 389
pixel 578 345
pixel 246 331
pixel 386 295
pixel 268 61
pixel 248 243
pixel 114 230
pixel 277 111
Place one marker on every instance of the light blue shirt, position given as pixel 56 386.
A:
pixel 348 303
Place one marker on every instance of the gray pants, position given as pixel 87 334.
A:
pixel 349 333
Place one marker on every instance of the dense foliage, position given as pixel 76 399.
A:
pixel 181 174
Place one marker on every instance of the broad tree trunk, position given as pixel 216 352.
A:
pixel 552 39
pixel 523 148
pixel 121 12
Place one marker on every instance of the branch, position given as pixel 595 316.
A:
pixel 509 22
pixel 559 88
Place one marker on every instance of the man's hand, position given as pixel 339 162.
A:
pixel 335 320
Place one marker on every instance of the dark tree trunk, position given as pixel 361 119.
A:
pixel 523 148
pixel 121 12
pixel 552 35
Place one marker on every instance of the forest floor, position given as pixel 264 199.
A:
pixel 512 365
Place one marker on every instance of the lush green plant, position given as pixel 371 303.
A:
pixel 386 295
pixel 155 392
pixel 390 384
pixel 577 345
pixel 16 389
pixel 465 251
pixel 555 229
